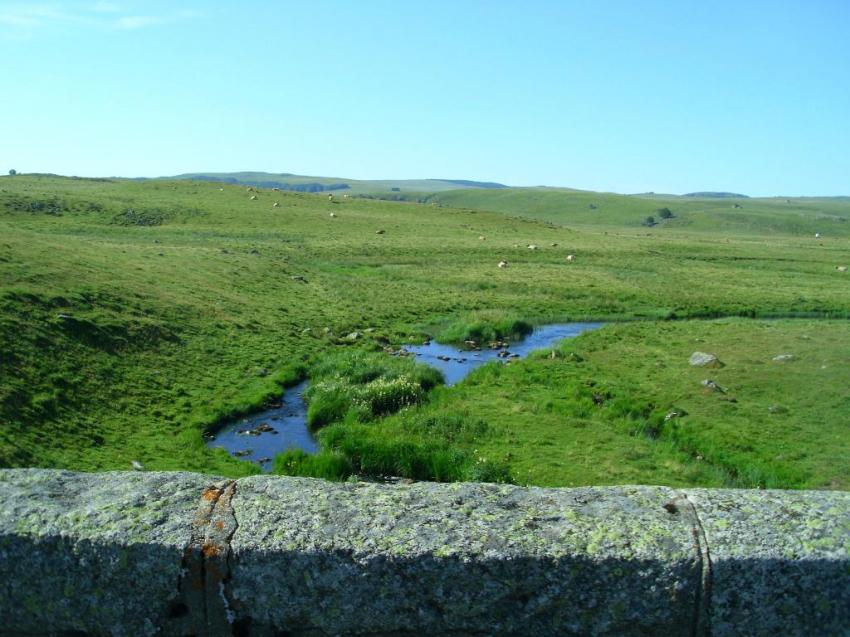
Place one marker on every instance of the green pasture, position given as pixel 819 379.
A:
pixel 134 316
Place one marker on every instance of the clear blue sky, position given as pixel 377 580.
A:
pixel 667 96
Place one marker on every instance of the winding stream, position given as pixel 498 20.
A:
pixel 260 437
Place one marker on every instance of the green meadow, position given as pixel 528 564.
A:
pixel 137 315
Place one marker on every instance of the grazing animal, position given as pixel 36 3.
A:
pixel 276 189
pixel 333 214
pixel 330 197
pixel 253 197
pixel 275 205
pixel 571 257
pixel 481 238
pixel 221 189
pixel 817 235
pixel 345 196
pixel 841 268
pixel 532 246
pixel 503 264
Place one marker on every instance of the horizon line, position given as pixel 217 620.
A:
pixel 280 174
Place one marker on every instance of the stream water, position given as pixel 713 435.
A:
pixel 456 364
pixel 260 437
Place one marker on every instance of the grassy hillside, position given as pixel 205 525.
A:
pixel 801 217
pixel 134 315
pixel 287 181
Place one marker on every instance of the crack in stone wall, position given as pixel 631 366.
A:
pixel 204 606
pixel 683 505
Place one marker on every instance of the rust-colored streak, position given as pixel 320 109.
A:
pixel 219 524
pixel 210 494
pixel 210 550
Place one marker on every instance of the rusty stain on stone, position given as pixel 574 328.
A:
pixel 211 494
pixel 210 550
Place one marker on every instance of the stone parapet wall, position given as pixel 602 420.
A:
pixel 147 553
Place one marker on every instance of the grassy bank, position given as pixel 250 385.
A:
pixel 623 405
pixel 133 316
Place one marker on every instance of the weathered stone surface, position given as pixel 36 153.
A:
pixel 461 559
pixel 95 553
pixel 144 553
pixel 780 561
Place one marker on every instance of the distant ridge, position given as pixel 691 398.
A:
pixel 306 186
pixel 472 184
pixel 716 195
pixel 304 183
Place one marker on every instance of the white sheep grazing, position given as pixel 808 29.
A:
pixel 275 205
pixel 333 214
pixel 503 264
pixel 253 197
pixel 221 189
pixel 345 196
pixel 571 257
pixel 481 238
pixel 817 235
pixel 276 189
pixel 330 197
pixel 532 246
pixel 841 268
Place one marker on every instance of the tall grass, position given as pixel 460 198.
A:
pixel 427 450
pixel 485 327
pixel 359 386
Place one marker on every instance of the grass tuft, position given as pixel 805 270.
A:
pixel 485 327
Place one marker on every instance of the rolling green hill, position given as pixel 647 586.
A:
pixel 301 183
pixel 801 217
pixel 135 315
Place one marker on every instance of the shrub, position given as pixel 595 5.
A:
pixel 665 213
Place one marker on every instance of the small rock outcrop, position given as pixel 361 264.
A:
pixel 701 359
pixel 713 386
